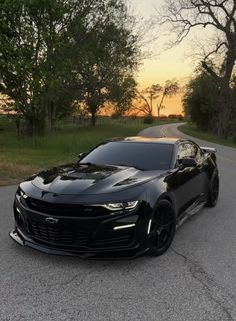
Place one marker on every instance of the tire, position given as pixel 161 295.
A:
pixel 163 228
pixel 213 193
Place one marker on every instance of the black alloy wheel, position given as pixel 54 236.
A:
pixel 213 193
pixel 162 228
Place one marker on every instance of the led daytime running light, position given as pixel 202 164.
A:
pixel 120 206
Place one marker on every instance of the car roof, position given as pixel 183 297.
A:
pixel 141 139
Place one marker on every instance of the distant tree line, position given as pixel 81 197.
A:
pixel 55 54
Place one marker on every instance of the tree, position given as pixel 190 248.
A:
pixel 123 94
pixel 218 16
pixel 55 52
pixel 170 89
pixel 35 54
pixel 145 99
pixel 200 100
pixel 111 55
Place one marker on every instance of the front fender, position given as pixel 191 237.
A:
pixel 156 191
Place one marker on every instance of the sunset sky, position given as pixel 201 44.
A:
pixel 165 65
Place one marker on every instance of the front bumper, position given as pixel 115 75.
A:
pixel 131 252
pixel 80 236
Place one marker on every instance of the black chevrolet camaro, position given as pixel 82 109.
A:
pixel 125 197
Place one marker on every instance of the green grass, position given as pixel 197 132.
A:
pixel 22 156
pixel 6 123
pixel 192 130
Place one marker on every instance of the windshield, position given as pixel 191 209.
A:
pixel 146 156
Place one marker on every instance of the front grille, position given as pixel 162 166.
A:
pixel 57 235
pixel 74 238
pixel 111 242
pixel 65 209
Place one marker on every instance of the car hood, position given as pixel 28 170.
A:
pixel 77 179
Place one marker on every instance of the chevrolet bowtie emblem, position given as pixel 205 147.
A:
pixel 51 220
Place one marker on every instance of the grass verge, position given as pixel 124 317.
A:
pixel 20 157
pixel 192 130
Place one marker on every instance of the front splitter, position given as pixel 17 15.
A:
pixel 23 240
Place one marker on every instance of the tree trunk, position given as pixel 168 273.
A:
pixel 29 126
pixel 18 128
pixel 93 119
pixel 51 115
pixel 224 124
pixel 35 125
pixel 224 111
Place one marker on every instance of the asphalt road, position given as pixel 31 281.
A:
pixel 194 281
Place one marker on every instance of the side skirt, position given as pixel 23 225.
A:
pixel 191 210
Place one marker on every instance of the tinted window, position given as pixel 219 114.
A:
pixel 148 156
pixel 198 154
pixel 188 150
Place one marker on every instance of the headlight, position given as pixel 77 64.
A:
pixel 120 206
pixel 21 193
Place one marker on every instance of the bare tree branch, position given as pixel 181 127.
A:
pixel 186 15
pixel 216 50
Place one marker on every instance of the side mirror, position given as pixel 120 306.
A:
pixel 188 162
pixel 82 155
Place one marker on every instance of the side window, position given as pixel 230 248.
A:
pixel 198 153
pixel 191 150
pixel 188 150
pixel 185 151
pixel 181 152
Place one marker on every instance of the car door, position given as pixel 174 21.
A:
pixel 187 183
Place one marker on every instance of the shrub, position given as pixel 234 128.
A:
pixel 180 117
pixel 172 116
pixel 148 119
pixel 116 115
pixel 163 117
